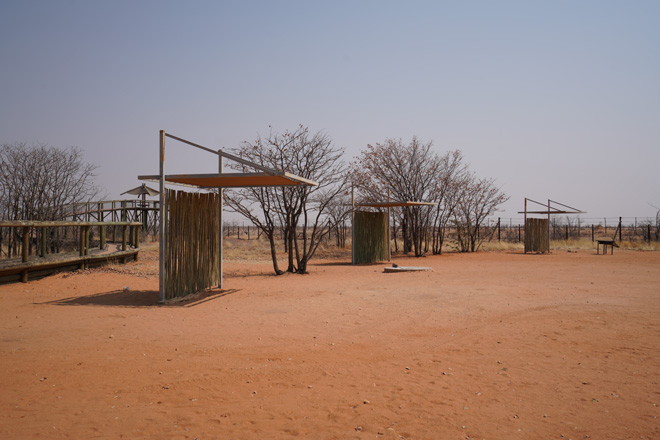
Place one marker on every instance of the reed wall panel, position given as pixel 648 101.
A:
pixel 536 235
pixel 191 243
pixel 370 244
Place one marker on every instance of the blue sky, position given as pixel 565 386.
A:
pixel 556 99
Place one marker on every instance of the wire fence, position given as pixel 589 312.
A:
pixel 572 228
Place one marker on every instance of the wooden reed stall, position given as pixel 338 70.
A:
pixel 370 243
pixel 192 243
pixel 536 235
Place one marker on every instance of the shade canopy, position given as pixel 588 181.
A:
pixel 233 180
pixel 394 204
pixel 142 190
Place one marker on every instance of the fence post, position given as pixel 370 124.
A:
pixel 43 242
pixel 137 242
pixel 592 233
pixel 81 241
pixel 498 229
pixel 620 228
pixel 648 229
pixel 123 237
pixel 26 239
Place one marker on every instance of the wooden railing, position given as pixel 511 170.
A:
pixel 46 246
pixel 146 212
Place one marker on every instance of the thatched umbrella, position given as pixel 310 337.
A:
pixel 143 191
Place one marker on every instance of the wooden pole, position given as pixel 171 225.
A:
pixel 43 242
pixel 161 225
pixel 102 237
pixel 123 238
pixel 26 243
pixel 137 240
pixel 82 241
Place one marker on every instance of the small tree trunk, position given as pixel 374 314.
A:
pixel 273 254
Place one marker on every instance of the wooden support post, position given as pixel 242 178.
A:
pixel 123 237
pixel 137 240
pixel 87 236
pixel 43 242
pixel 24 276
pixel 498 230
pixel 26 243
pixel 620 228
pixel 102 230
pixel 82 246
pixel 592 233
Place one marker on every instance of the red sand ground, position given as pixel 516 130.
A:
pixel 487 346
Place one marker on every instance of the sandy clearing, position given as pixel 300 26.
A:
pixel 487 345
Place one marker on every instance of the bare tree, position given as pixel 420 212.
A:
pixel 37 183
pixel 408 172
pixel 40 183
pixel 313 157
pixel 479 199
pixel 450 181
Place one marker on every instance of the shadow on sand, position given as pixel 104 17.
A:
pixel 139 298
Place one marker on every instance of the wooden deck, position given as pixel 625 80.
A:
pixel 15 270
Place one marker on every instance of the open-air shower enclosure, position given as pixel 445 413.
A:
pixel 537 230
pixel 371 240
pixel 190 227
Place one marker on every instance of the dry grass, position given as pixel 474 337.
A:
pixel 258 251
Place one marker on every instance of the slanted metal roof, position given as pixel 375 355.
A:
pixel 394 204
pixel 233 180
pixel 552 212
